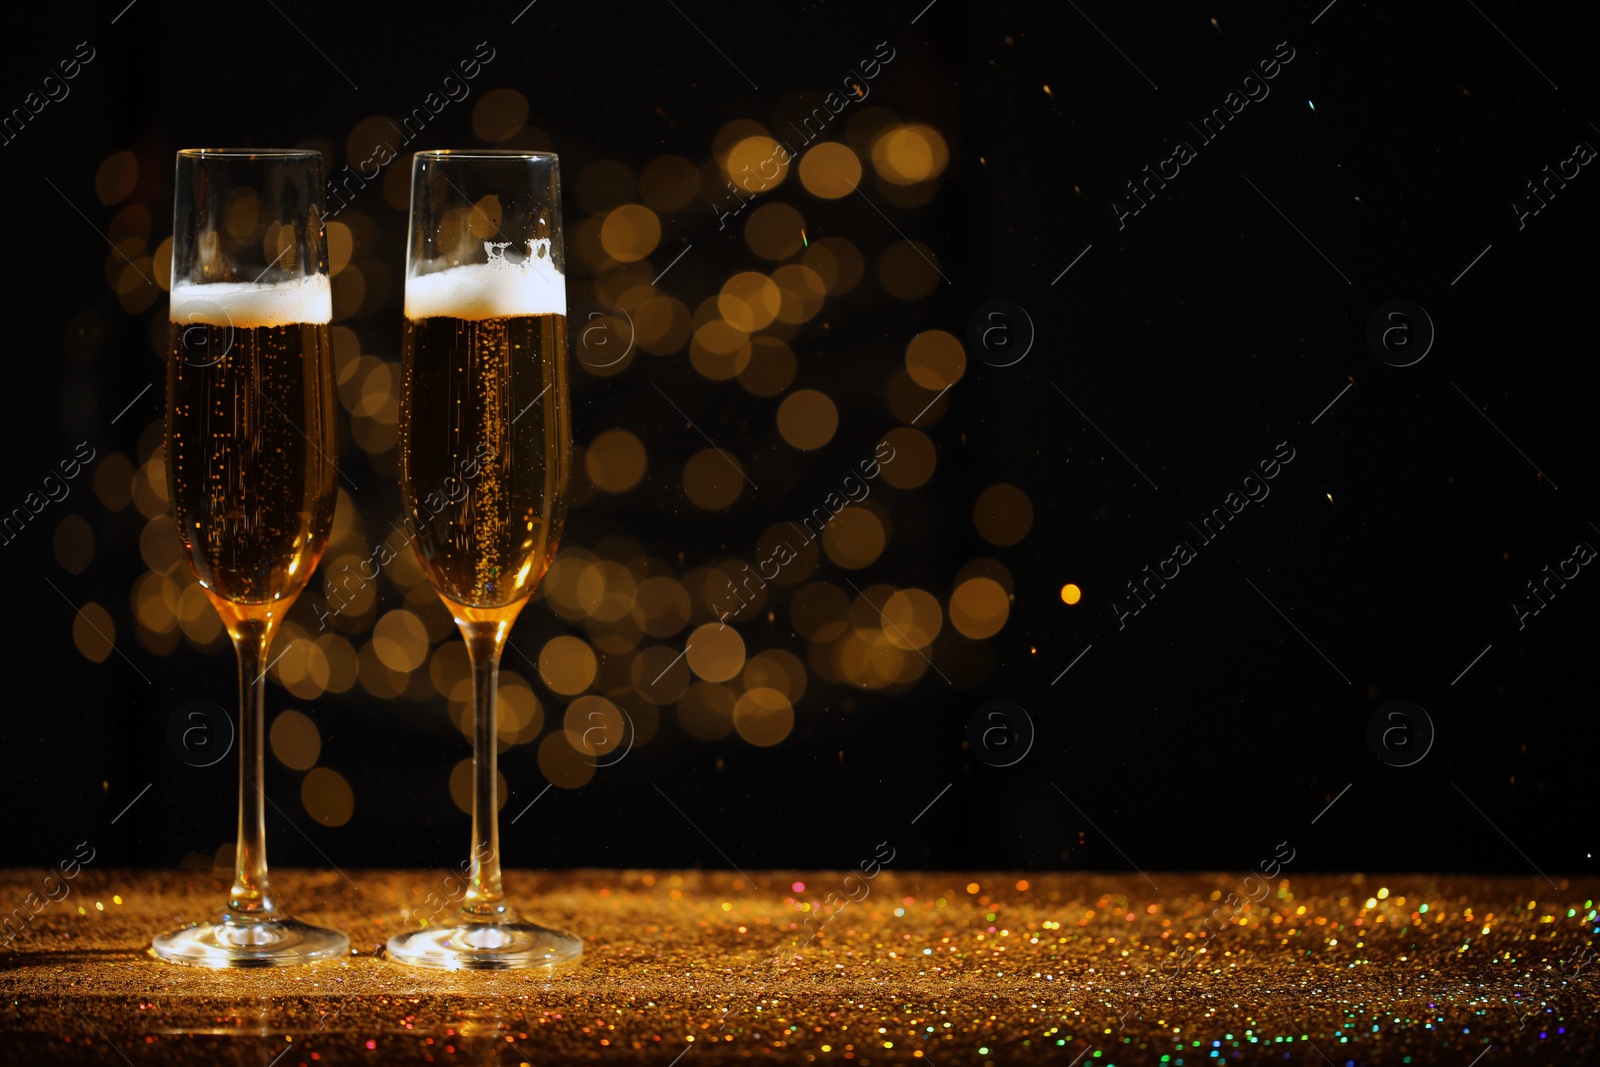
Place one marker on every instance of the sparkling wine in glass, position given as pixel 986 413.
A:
pixel 250 439
pixel 485 448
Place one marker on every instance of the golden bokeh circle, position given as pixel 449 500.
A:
pixel 661 606
pixel 770 368
pixel 979 607
pixel 568 665
pixel 837 262
pixel 116 177
pixel 595 728
pixel 912 458
pixel 757 164
pixel 774 231
pixel 400 641
pixel 659 674
pixel 749 301
pixel 615 461
pixel 73 543
pixel 802 291
pixel 574 586
pixel 705 711
pixel 630 232
pixel 763 717
pixel 327 797
pixel 715 652
pixel 909 154
pixel 562 765
pixel 911 619
pixel 935 359
pixel 295 740
pixel 719 350
pixel 830 170
pixel 93 632
pixel 807 419
pixel 786 554
pixel 854 538
pixel 776 669
pixel 1003 514
pixel 669 183
pixel 713 479
pixel 499 115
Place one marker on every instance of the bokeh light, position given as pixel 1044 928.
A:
pixel 615 461
pixel 705 711
pixel 499 115
pixel 562 765
pixel 979 607
pixel 116 177
pixel 914 458
pixel 912 619
pixel 757 164
pixel 594 727
pixel 807 419
pixel 327 797
pixel 93 632
pixel 774 231
pixel 770 368
pixel 630 232
pixel 73 543
pixel 935 359
pixel 715 652
pixel 1003 514
pixel 837 262
pixel 908 154
pixel 295 741
pixel 568 665
pixel 855 537
pixel 763 716
pixel 749 301
pixel 830 170
pixel 713 479
pixel 669 183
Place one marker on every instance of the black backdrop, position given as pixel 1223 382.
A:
pixel 1220 320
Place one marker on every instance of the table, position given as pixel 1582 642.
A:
pixel 703 968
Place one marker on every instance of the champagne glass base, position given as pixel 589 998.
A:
pixel 257 943
pixel 485 946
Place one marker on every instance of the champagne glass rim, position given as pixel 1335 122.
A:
pixel 485 153
pixel 249 153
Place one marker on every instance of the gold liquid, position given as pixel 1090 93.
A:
pixel 250 440
pixel 485 451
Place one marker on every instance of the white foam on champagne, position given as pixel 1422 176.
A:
pixel 250 304
pixel 493 290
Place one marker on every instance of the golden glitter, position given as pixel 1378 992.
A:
pixel 965 982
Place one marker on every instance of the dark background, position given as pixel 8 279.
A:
pixel 1208 330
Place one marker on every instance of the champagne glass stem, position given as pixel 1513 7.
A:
pixel 485 899
pixel 251 897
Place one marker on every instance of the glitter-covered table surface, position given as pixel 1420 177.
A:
pixel 964 968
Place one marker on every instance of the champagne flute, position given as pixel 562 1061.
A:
pixel 250 438
pixel 485 449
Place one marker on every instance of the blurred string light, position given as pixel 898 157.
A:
pixel 630 614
